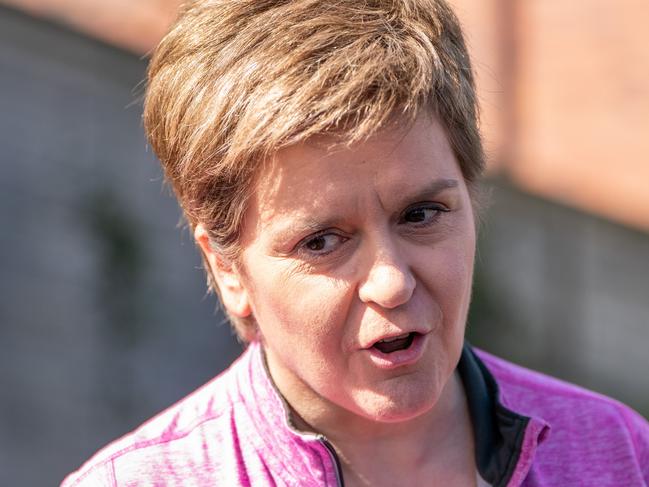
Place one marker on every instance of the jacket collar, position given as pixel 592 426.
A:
pixel 505 441
pixel 289 454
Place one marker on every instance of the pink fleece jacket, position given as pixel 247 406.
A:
pixel 531 430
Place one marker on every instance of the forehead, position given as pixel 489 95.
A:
pixel 309 177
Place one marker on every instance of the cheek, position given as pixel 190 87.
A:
pixel 457 258
pixel 308 311
pixel 447 273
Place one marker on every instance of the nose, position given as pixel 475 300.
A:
pixel 389 281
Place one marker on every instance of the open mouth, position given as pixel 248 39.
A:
pixel 394 344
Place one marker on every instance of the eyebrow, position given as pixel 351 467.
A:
pixel 439 185
pixel 305 225
pixel 435 187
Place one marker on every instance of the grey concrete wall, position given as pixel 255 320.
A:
pixel 103 314
pixel 564 292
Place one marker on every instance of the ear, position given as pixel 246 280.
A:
pixel 233 294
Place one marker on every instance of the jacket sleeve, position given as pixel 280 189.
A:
pixel 639 431
pixel 100 475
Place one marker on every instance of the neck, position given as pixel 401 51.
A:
pixel 435 445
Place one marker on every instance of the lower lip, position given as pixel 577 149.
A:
pixel 399 358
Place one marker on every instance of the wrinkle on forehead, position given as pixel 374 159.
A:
pixel 312 183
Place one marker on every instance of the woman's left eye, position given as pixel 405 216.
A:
pixel 422 215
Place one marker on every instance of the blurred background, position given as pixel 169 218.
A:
pixel 104 318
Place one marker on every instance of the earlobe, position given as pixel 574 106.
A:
pixel 234 295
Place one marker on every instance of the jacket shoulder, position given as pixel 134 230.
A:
pixel 532 391
pixel 581 420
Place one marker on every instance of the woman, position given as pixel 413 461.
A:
pixel 326 156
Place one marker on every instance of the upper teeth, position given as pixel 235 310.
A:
pixel 393 339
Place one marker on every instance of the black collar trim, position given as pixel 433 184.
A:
pixel 498 431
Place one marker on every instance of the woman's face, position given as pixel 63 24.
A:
pixel 357 267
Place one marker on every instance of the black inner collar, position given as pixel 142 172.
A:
pixel 498 431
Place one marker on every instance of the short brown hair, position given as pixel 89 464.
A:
pixel 236 80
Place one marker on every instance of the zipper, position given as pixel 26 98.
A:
pixel 334 456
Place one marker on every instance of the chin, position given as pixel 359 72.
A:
pixel 403 401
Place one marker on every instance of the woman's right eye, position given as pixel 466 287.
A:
pixel 323 244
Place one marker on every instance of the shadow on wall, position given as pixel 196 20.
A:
pixel 124 321
pixel 122 264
